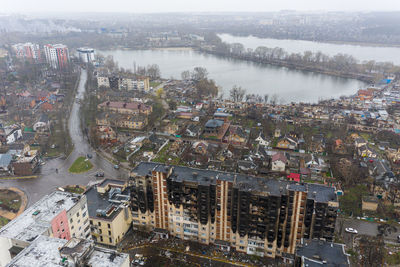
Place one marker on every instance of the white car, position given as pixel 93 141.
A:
pixel 351 230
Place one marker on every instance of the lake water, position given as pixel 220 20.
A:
pixel 289 85
pixel 362 53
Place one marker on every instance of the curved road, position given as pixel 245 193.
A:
pixel 49 180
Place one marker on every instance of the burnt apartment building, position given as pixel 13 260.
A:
pixel 260 216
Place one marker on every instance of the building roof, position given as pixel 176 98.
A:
pixel 98 203
pixel 36 219
pixel 214 123
pixel 5 160
pixel 44 118
pixel 319 253
pixel 42 252
pixel 317 192
pixel 53 252
pixel 125 105
pixel 294 176
pixel 279 157
pixel 102 257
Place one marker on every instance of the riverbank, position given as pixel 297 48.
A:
pixel 302 67
pixel 365 44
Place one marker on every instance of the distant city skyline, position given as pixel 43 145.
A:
pixel 156 6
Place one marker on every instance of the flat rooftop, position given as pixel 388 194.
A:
pixel 36 219
pixel 318 252
pixel 42 252
pixel 45 251
pixel 102 257
pixel 97 201
pixel 319 193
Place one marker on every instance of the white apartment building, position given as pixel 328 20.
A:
pixel 56 55
pixel 86 54
pixel 60 215
pixel 27 50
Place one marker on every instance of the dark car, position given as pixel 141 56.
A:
pixel 89 156
pixel 99 174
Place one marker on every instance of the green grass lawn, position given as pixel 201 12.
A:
pixel 154 84
pixel 10 200
pixel 3 221
pixel 80 165
pixel 73 189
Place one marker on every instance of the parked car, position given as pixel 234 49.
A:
pixel 116 166
pixel 99 174
pixel 89 156
pixel 351 230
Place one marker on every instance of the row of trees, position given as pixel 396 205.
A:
pixel 153 70
pixel 342 64
pixel 238 94
pixel 203 85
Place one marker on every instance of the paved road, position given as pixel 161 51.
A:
pixel 49 179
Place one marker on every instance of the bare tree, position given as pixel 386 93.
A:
pixel 185 75
pixel 237 93
pixel 274 99
pixel 266 96
pixel 153 71
pixel 199 74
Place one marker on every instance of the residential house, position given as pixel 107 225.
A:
pixel 294 177
pixel 213 127
pixel 5 163
pixel 366 152
pixel 171 128
pixel 287 143
pixel 192 130
pixel 359 141
pixel 13 133
pixel 27 163
pixel 200 147
pixel 133 108
pixel 339 147
pixel 43 124
pixel 236 136
pixel 184 115
pixel 369 203
pixel 121 120
pixel 394 155
pixel 221 115
pixel 317 166
pixel 262 140
pixel 277 133
pixel 278 162
pixel 246 165
pixel 106 135
pixel 317 144
pixel 382 172
pixel 46 106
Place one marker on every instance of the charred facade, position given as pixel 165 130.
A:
pixel 258 216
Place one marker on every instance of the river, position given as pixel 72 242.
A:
pixel 360 52
pixel 290 85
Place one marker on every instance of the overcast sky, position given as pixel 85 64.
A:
pixel 148 6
